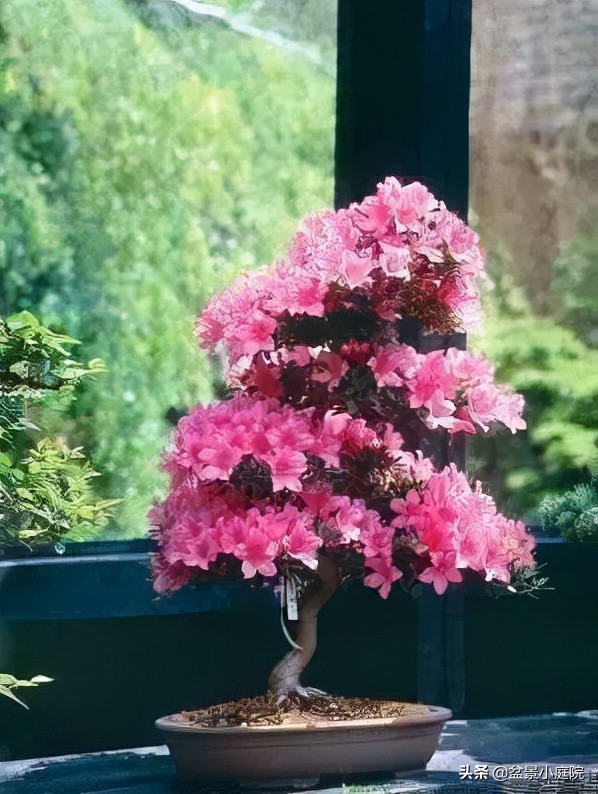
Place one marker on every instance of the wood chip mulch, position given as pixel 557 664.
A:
pixel 264 710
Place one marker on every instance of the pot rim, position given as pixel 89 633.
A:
pixel 437 714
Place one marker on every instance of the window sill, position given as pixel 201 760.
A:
pixel 98 580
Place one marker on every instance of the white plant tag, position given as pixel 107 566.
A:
pixel 282 591
pixel 291 599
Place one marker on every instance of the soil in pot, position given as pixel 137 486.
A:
pixel 297 710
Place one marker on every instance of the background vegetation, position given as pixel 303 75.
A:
pixel 45 487
pixel 558 374
pixel 144 160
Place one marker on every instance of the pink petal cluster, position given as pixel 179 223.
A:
pixel 347 522
pixel 456 390
pixel 211 441
pixel 459 528
pixel 395 365
pixel 198 525
pixel 399 235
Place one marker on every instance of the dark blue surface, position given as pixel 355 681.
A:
pixel 550 741
pixel 98 585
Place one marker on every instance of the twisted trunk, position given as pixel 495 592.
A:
pixel 284 679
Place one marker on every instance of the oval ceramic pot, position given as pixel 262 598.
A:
pixel 392 744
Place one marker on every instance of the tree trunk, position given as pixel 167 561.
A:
pixel 284 678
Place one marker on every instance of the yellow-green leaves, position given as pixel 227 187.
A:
pixel 9 682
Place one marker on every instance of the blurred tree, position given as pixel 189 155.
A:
pixel 142 166
pixel 558 375
pixel 575 283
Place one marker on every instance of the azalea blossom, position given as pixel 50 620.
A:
pixel 383 575
pixel 402 234
pixel 317 455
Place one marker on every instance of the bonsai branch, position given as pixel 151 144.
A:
pixel 285 677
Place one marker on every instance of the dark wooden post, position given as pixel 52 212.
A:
pixel 403 110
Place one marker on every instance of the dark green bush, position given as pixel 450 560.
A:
pixel 574 514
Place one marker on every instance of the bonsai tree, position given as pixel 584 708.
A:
pixel 313 470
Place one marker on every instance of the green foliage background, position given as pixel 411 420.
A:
pixel 143 162
pixel 558 375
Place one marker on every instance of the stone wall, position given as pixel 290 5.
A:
pixel 534 129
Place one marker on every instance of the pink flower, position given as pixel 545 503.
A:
pixel 371 216
pixel 316 499
pixel 330 434
pixel 286 467
pixel 383 575
pixel 376 539
pixel 440 578
pixel 393 441
pixel 482 402
pixel 395 260
pixel 468 370
pixel 358 436
pixel 509 411
pixel 259 545
pixel 407 204
pixel 346 516
pixel 256 334
pixel 295 293
pixel 302 543
pixel 219 461
pixel 355 268
pixel 393 365
pixel 434 385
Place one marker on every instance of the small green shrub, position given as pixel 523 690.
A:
pixel 45 487
pixel 573 515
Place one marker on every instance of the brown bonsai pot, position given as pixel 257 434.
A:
pixel 303 751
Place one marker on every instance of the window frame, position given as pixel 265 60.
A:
pixel 402 108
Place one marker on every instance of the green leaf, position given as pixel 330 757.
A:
pixel 21 320
pixel 7 693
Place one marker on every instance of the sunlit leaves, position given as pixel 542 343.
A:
pixel 9 682
pixel 45 487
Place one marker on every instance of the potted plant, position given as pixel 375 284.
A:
pixel 313 471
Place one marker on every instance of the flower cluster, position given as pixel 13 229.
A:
pixel 212 442
pixel 457 391
pixel 254 480
pixel 318 452
pixel 398 253
pixel 453 389
pixel 459 528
